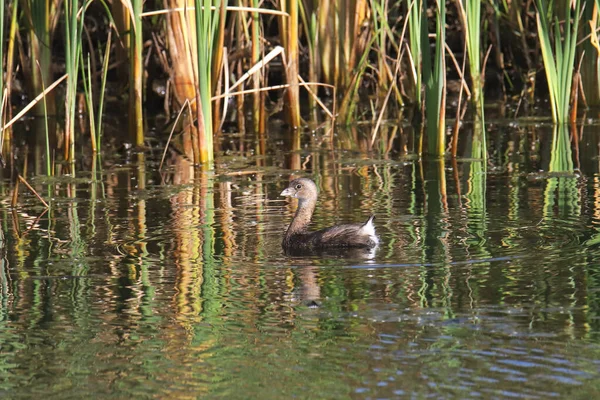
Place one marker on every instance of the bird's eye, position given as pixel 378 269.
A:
pixel 298 186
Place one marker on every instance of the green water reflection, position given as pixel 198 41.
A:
pixel 486 283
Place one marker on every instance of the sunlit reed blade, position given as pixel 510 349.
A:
pixel 256 51
pixel 10 56
pixel 218 60
pixel 74 20
pixel 86 74
pixel 136 118
pixel 36 194
pixel 48 166
pixel 71 65
pixel 208 29
pixel 470 11
pixel 306 85
pixel 434 76
pixel 100 113
pixel 559 62
pixel 415 20
pixel 34 102
pixel 3 133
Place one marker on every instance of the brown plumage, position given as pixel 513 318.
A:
pixel 297 236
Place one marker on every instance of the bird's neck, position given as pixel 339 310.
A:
pixel 304 213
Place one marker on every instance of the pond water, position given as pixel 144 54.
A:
pixel 172 284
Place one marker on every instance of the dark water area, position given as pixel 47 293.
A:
pixel 172 284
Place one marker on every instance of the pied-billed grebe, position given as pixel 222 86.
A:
pixel 297 235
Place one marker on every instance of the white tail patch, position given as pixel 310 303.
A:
pixel 369 229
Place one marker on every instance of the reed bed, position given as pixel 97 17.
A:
pixel 361 59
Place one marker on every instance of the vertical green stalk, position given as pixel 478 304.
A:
pixel 559 64
pixel 256 52
pixel 416 17
pixel 10 51
pixel 95 118
pixel 102 90
pixel 136 118
pixel 73 31
pixel 472 25
pixel 48 166
pixel 2 97
pixel 379 10
pixel 71 58
pixel 207 22
pixel 86 73
pixel 290 41
pixel 434 74
pixel 204 86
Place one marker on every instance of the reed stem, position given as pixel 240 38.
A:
pixel 434 75
pixel 559 62
pixel 136 117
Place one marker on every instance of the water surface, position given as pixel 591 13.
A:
pixel 172 284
